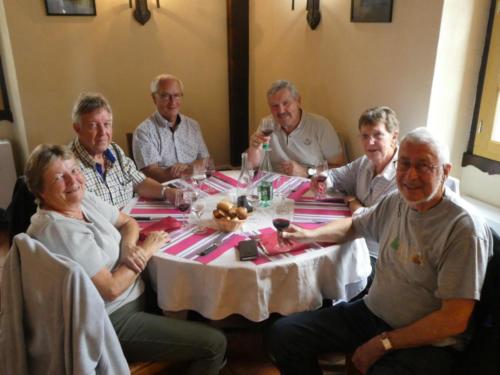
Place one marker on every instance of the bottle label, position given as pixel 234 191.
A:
pixel 266 193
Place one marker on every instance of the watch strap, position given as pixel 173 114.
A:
pixel 386 342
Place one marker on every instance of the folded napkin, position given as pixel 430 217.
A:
pixel 300 191
pixel 269 242
pixel 167 224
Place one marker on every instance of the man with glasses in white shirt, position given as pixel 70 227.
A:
pixel 168 143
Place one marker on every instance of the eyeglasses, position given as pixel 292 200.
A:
pixel 420 167
pixel 169 97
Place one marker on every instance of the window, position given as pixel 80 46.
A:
pixel 483 150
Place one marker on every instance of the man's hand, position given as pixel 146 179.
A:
pixel 258 139
pixel 292 168
pixel 295 233
pixel 177 169
pixel 368 353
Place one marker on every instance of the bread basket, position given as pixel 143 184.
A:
pixel 228 225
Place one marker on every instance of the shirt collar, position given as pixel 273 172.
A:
pixel 86 158
pixel 162 121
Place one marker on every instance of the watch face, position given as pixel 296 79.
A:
pixel 311 171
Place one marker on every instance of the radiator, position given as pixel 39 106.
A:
pixel 7 173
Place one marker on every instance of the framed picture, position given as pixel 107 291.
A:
pixel 70 7
pixel 371 10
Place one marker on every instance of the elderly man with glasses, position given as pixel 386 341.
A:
pixel 168 143
pixel 433 256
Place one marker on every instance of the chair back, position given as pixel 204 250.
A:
pixel 53 320
pixel 21 208
pixel 482 353
pixel 130 149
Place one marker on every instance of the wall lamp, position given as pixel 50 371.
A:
pixel 141 12
pixel 313 13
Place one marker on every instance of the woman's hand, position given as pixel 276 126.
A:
pixel 134 257
pixel 154 241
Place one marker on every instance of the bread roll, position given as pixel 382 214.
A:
pixel 225 206
pixel 242 213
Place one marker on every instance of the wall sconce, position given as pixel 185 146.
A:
pixel 313 13
pixel 141 12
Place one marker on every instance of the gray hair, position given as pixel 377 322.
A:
pixel 164 77
pixel 39 160
pixel 88 102
pixel 283 84
pixel 422 136
pixel 382 114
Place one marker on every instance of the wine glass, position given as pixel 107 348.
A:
pixel 282 217
pixel 209 167
pixel 267 127
pixel 198 208
pixel 183 201
pixel 319 180
pixel 199 175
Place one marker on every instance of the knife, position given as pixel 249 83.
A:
pixel 212 247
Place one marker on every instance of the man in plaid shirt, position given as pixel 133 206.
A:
pixel 109 173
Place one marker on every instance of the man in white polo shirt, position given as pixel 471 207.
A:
pixel 299 140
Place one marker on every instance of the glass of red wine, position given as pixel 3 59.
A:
pixel 319 183
pixel 183 201
pixel 283 217
pixel 209 167
pixel 267 127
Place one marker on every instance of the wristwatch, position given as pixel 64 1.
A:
pixel 386 343
pixel 311 172
pixel 163 190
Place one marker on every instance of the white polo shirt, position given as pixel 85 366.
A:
pixel 313 141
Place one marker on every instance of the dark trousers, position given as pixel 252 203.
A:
pixel 294 342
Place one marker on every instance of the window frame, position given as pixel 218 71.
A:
pixel 5 112
pixel 469 158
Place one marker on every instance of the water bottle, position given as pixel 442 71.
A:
pixel 244 185
pixel 264 174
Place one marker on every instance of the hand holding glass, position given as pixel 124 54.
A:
pixel 318 183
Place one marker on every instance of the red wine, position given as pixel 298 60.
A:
pixel 281 224
pixel 267 132
pixel 184 206
pixel 209 173
pixel 321 178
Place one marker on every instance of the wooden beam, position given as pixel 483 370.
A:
pixel 238 44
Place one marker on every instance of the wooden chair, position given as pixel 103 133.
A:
pixel 130 150
pixel 150 368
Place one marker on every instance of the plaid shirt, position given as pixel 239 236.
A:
pixel 120 177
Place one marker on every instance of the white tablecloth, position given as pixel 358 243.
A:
pixel 228 286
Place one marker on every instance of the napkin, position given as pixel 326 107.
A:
pixel 269 242
pixel 167 224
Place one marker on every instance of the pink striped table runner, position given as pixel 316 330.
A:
pixel 187 244
pixel 309 210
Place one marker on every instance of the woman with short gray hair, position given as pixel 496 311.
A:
pixel 104 241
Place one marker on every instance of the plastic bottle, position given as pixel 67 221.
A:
pixel 265 185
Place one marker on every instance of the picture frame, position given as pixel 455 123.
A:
pixel 371 10
pixel 70 7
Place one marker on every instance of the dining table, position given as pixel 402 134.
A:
pixel 219 284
